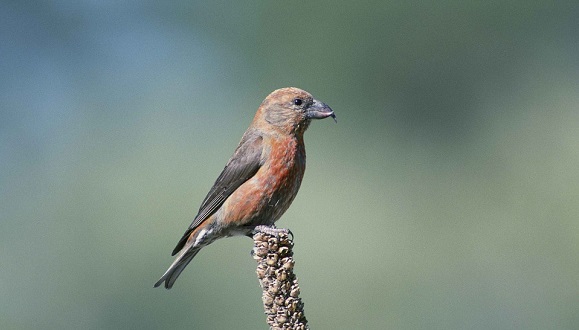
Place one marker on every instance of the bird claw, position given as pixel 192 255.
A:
pixel 271 230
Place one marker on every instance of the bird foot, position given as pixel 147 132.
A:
pixel 272 230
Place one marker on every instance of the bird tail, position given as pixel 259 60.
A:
pixel 181 261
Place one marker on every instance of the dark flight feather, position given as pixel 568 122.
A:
pixel 244 163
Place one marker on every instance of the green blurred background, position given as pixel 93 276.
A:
pixel 446 197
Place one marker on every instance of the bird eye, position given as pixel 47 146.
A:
pixel 298 101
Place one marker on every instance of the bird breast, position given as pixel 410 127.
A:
pixel 264 198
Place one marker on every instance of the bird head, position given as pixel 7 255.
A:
pixel 291 110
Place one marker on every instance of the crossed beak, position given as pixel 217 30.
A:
pixel 320 110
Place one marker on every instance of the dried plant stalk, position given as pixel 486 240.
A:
pixel 273 251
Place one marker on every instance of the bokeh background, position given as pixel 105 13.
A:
pixel 446 197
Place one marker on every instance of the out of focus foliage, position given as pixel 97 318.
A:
pixel 446 197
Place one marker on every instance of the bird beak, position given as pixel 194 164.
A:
pixel 320 110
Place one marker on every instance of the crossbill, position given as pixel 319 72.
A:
pixel 260 180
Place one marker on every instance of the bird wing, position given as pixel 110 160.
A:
pixel 244 163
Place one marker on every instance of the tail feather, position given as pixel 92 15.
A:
pixel 181 261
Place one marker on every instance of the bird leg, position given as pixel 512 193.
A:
pixel 271 230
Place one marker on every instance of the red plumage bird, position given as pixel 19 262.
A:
pixel 260 180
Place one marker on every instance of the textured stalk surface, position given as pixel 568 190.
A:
pixel 273 251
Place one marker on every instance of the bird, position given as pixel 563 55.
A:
pixel 260 180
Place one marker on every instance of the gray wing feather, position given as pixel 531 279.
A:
pixel 244 163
